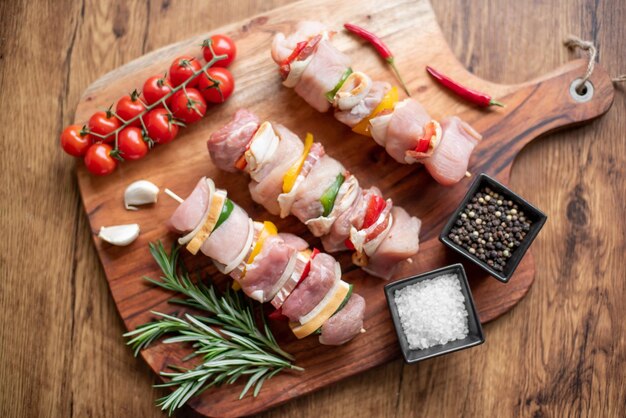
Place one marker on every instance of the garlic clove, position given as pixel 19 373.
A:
pixel 141 192
pixel 120 235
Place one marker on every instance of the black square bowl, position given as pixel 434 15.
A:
pixel 537 217
pixel 475 335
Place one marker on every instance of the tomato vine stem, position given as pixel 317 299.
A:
pixel 161 101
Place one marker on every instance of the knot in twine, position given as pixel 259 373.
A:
pixel 573 42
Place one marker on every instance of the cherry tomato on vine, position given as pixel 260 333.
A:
pixel 131 144
pixel 222 45
pixel 189 108
pixel 155 88
pixel 103 123
pixel 161 126
pixel 216 93
pixel 182 68
pixel 130 106
pixel 99 161
pixel 74 141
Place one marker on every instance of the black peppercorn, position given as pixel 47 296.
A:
pixel 490 227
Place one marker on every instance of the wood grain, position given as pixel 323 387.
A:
pixel 505 133
pixel 559 353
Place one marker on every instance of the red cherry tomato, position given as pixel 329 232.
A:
pixel 161 128
pixel 155 88
pixel 131 144
pixel 182 68
pixel 103 123
pixel 218 87
pixel 189 108
pixel 74 141
pixel 130 106
pixel 222 45
pixel 98 160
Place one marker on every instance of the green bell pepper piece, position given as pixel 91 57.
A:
pixel 328 197
pixel 227 209
pixel 330 95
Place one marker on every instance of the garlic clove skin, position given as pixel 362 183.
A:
pixel 141 192
pixel 120 235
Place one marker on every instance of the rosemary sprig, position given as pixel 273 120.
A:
pixel 230 342
pixel 230 310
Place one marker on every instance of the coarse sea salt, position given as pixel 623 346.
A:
pixel 432 312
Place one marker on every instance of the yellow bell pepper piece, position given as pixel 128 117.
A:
pixel 268 230
pixel 389 100
pixel 292 174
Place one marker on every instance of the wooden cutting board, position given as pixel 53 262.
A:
pixel 410 29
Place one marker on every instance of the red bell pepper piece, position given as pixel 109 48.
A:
pixel 307 268
pixel 301 52
pixel 309 48
pixel 241 163
pixel 424 143
pixel 296 51
pixel 285 67
pixel 374 208
pixel 278 313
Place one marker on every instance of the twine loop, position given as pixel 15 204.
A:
pixel 575 42
pixel 572 42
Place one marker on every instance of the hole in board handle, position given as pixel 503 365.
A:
pixel 581 94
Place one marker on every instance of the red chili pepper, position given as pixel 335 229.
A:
pixel 382 49
pixel 476 97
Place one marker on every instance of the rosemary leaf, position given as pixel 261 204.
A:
pixel 253 379
pixel 229 342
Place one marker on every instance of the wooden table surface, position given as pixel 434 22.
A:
pixel 560 352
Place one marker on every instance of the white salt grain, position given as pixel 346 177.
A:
pixel 432 312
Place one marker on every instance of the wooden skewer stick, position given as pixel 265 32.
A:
pixel 173 195
pixel 468 174
pixel 181 200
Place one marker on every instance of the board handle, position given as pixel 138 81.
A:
pixel 536 108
